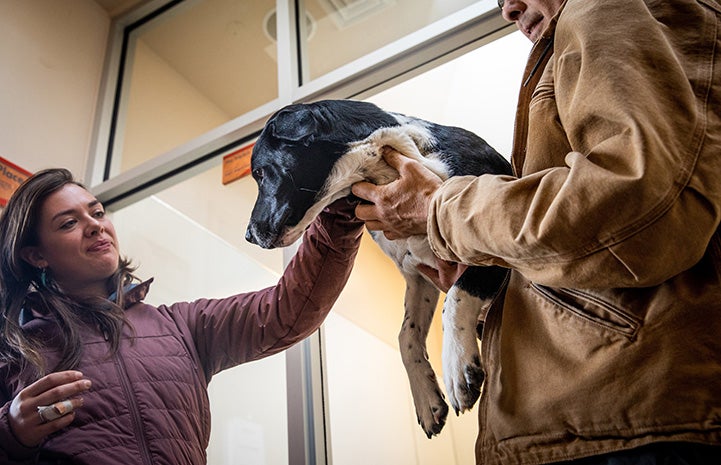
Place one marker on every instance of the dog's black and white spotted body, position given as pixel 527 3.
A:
pixel 309 155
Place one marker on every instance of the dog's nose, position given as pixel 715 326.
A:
pixel 249 236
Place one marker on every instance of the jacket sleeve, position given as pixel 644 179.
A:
pixel 632 195
pixel 12 452
pixel 253 325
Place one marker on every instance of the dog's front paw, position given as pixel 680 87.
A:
pixel 463 383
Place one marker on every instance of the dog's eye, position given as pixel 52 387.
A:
pixel 258 173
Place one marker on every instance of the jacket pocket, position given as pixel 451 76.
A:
pixel 592 309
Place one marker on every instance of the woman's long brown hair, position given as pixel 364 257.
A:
pixel 22 287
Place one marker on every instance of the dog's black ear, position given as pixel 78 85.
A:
pixel 295 125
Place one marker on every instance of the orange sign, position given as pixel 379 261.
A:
pixel 237 164
pixel 11 176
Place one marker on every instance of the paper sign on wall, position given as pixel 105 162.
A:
pixel 11 176
pixel 237 164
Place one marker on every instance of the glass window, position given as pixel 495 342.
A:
pixel 191 69
pixel 205 62
pixel 340 31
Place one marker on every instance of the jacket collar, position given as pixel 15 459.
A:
pixel 134 293
pixel 539 57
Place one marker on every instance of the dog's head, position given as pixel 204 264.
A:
pixel 293 159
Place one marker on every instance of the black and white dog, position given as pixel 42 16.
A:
pixel 309 155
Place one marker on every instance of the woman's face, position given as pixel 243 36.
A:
pixel 77 242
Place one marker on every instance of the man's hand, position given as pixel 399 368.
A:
pixel 400 208
pixel 444 275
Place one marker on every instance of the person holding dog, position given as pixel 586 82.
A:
pixel 604 347
pixel 91 374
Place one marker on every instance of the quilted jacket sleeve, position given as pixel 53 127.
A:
pixel 620 184
pixel 253 325
pixel 12 452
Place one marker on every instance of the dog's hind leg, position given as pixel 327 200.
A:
pixel 468 298
pixel 421 299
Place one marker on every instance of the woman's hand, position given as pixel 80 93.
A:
pixel 400 208
pixel 29 427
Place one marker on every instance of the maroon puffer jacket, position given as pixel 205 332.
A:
pixel 148 404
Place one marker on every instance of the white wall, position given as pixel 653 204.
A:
pixel 52 56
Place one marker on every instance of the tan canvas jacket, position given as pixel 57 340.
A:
pixel 608 335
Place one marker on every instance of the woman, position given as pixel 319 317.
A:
pixel 94 375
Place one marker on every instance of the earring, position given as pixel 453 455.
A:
pixel 44 277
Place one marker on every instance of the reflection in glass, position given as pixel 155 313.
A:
pixel 191 69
